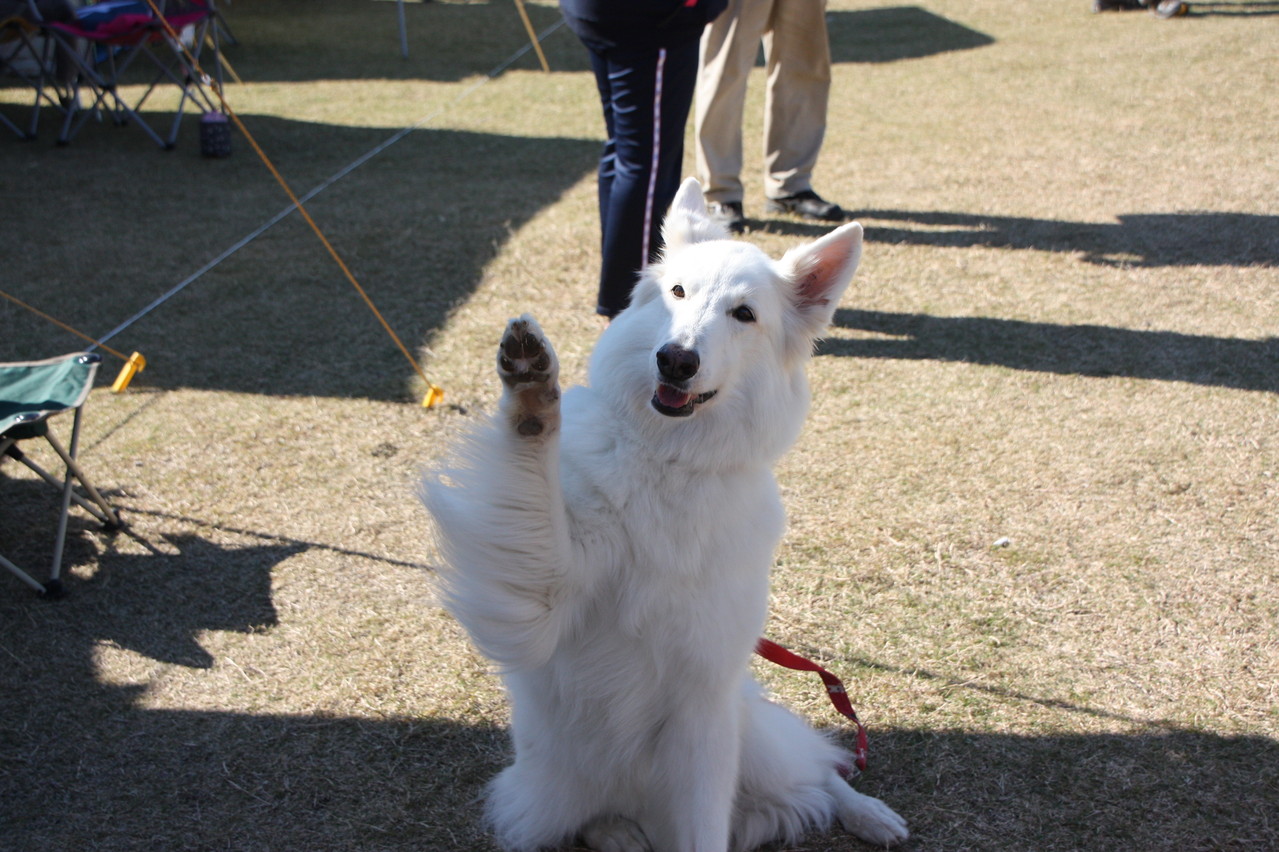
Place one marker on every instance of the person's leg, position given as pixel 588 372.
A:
pixel 608 156
pixel 729 46
pixel 797 52
pixel 650 95
pixel 678 81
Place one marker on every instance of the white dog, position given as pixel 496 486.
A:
pixel 612 557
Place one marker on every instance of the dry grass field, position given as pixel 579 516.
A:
pixel 1063 339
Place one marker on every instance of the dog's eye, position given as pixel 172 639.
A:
pixel 677 291
pixel 743 314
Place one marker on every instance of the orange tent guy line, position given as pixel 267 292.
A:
pixel 132 363
pixel 434 394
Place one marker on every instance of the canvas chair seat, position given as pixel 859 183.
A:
pixel 30 394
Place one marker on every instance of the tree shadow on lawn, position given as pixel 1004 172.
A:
pixel 892 34
pixel 82 765
pixel 1153 240
pixel 1170 789
pixel 417 224
pixel 1086 350
pixel 1200 238
pixel 895 33
pixel 312 40
pixel 1224 8
pixel 283 41
pixel 30 509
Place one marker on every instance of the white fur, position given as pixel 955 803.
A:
pixel 613 561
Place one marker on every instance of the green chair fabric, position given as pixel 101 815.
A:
pixel 31 392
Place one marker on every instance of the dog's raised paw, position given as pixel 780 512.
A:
pixel 525 355
pixel 527 365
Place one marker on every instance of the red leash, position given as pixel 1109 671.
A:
pixel 775 653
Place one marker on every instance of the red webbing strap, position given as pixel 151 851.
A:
pixel 775 653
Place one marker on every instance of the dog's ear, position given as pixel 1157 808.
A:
pixel 686 222
pixel 819 272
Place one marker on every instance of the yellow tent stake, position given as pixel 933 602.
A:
pixel 135 364
pixel 434 394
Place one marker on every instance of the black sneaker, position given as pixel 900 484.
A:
pixel 729 214
pixel 1116 5
pixel 807 205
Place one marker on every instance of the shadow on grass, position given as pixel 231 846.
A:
pixel 416 239
pixel 285 41
pixel 892 34
pixel 83 764
pixel 417 224
pixel 1087 350
pixel 1201 238
pixel 1160 790
pixel 1206 238
pixel 1142 240
pixel 1224 8
pixel 30 509
pixel 895 33
pixel 280 40
pixel 298 40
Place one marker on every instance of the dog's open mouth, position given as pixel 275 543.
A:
pixel 673 402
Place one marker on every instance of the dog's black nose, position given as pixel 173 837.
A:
pixel 676 363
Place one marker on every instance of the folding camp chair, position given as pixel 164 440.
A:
pixel 119 34
pixel 31 393
pixel 29 54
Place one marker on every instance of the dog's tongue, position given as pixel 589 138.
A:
pixel 672 398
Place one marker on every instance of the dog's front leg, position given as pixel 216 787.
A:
pixel 700 750
pixel 530 505
pixel 500 515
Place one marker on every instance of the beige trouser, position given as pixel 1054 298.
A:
pixel 797 59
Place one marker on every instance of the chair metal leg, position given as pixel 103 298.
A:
pixel 105 97
pixel 5 122
pixel 60 537
pixel 17 455
pixel 33 392
pixel 108 515
pixel 25 49
pixel 23 575
pixel 52 589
